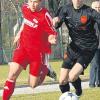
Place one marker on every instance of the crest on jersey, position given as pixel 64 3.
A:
pixel 83 19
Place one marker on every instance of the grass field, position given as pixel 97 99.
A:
pixel 88 94
pixel 22 79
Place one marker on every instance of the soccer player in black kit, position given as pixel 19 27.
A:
pixel 80 20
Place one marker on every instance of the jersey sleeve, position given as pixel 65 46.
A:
pixel 61 13
pixel 24 10
pixel 96 17
pixel 48 25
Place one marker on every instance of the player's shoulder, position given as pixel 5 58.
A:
pixel 66 7
pixel 44 10
pixel 88 9
pixel 25 6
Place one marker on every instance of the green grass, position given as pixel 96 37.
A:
pixel 88 94
pixel 22 79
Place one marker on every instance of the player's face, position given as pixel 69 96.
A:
pixel 77 3
pixel 97 7
pixel 34 5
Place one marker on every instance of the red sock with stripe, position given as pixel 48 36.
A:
pixel 8 89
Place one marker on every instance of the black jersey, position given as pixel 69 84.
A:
pixel 80 23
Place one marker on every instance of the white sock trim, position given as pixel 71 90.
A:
pixel 6 87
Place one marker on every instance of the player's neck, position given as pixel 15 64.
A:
pixel 77 7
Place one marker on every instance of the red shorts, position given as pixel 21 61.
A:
pixel 32 57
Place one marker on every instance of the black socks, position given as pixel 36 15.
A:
pixel 64 88
pixel 77 86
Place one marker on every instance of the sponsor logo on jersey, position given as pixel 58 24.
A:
pixel 33 24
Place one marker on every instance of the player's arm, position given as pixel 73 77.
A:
pixel 57 20
pixel 49 29
pixel 24 11
pixel 59 17
pixel 17 37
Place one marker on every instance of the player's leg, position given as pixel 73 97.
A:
pixel 75 72
pixel 74 78
pixel 38 73
pixel 63 80
pixel 44 69
pixel 43 73
pixel 33 81
pixel 70 59
pixel 19 62
pixel 51 73
pixel 34 71
pixel 38 70
pixel 14 71
pixel 64 73
pixel 82 62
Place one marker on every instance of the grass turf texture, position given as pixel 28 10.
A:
pixel 88 94
pixel 23 77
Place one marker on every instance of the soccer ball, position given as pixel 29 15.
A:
pixel 68 96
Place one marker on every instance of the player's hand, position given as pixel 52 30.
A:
pixel 55 20
pixel 52 39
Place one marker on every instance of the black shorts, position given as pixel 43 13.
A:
pixel 75 55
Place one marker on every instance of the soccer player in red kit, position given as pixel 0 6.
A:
pixel 36 26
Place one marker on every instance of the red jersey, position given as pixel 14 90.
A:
pixel 37 27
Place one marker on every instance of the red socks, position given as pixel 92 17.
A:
pixel 43 73
pixel 8 89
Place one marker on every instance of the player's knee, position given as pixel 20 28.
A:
pixel 72 78
pixel 14 71
pixel 33 85
pixel 12 76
